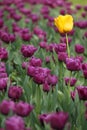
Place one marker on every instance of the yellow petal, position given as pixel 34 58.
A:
pixel 64 23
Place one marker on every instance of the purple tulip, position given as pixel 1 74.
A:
pixel 84 70
pixel 63 40
pixel 73 64
pixel 45 10
pixel 62 11
pixel 36 62
pixel 5 37
pixel 83 14
pixel 25 65
pixel 43 45
pixel 41 75
pixel 2 67
pixel 31 70
pixel 14 123
pixel 1 13
pixel 12 37
pixel 62 56
pixel 6 106
pixel 23 109
pixel 15 92
pixel 46 87
pixel 85 7
pixel 6 2
pixel 45 16
pixel 3 53
pixel 82 92
pixel 16 17
pixel 61 47
pixel 40 33
pixel 71 33
pixel 34 17
pixel 73 94
pixel 39 78
pixel 78 7
pixel 3 83
pixel 52 46
pixel 84 66
pixel 25 30
pixel 85 74
pixel 81 24
pixel 25 11
pixel 28 50
pixel 3 75
pixel 1 23
pixel 70 81
pixel 57 120
pixel 81 58
pixel 47 59
pixel 26 36
pixel 79 48
pixel 41 118
pixel 15 28
pixel 52 79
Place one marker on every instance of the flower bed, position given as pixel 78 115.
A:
pixel 43 65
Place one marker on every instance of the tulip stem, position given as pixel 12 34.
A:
pixel 67 43
pixel 60 70
pixel 38 97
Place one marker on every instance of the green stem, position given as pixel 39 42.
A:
pixel 70 76
pixel 60 84
pixel 38 99
pixel 67 43
pixel 85 82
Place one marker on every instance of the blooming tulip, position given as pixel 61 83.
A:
pixel 73 64
pixel 15 92
pixel 57 120
pixel 79 48
pixel 28 50
pixel 64 23
pixel 23 109
pixel 82 92
pixel 6 106
pixel 14 123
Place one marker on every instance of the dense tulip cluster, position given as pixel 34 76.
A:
pixel 43 66
pixel 42 75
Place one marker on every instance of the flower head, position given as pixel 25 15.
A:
pixel 64 23
pixel 14 123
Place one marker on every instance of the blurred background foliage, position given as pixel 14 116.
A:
pixel 82 2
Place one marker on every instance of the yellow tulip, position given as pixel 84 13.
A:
pixel 64 23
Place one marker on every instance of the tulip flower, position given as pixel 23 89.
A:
pixel 64 23
pixel 14 123
pixel 23 109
